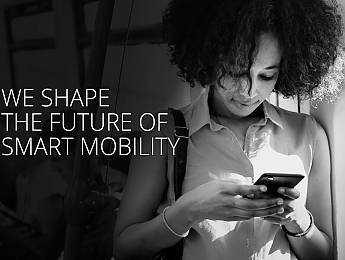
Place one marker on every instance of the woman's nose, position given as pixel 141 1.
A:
pixel 247 88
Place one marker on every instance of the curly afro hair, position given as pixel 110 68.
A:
pixel 211 39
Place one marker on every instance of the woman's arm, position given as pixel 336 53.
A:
pixel 317 245
pixel 139 234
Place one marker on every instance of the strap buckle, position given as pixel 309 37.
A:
pixel 181 132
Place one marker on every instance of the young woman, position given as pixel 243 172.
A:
pixel 239 52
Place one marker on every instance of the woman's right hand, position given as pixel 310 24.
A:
pixel 226 200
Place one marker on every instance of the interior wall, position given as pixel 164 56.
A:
pixel 148 82
pixel 331 116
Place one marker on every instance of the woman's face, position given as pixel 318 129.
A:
pixel 240 97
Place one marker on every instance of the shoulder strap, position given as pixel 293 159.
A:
pixel 181 133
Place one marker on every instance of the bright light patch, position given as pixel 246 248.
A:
pixel 333 83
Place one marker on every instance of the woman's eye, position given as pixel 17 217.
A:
pixel 267 78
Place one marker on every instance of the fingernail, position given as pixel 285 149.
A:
pixel 281 210
pixel 250 196
pixel 281 190
pixel 280 202
pixel 289 215
pixel 263 188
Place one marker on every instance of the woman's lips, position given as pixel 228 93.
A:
pixel 243 104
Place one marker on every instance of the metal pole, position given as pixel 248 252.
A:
pixel 76 211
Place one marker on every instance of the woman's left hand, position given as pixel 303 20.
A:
pixel 295 216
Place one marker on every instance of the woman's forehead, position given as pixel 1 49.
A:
pixel 268 54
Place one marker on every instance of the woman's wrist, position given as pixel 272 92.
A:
pixel 300 223
pixel 179 218
pixel 306 233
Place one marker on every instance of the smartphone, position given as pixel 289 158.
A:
pixel 275 180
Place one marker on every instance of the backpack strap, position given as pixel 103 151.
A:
pixel 181 133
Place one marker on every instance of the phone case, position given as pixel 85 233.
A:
pixel 275 180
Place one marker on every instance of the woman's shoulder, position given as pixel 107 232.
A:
pixel 295 118
pixel 299 125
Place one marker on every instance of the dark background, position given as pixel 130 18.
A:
pixel 47 44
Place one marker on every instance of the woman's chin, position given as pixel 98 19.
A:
pixel 239 109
